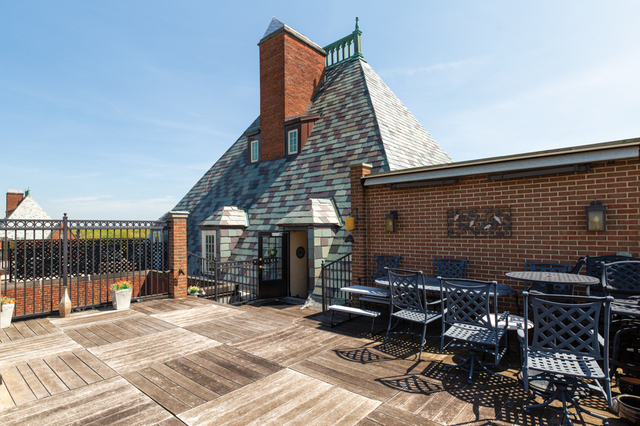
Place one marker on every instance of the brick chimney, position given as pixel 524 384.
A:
pixel 291 67
pixel 13 199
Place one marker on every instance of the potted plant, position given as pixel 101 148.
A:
pixel 121 295
pixel 6 307
pixel 194 290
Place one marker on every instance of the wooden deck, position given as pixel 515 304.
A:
pixel 196 362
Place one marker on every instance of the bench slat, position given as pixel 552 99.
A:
pixel 355 311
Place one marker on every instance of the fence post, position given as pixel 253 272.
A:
pixel 177 253
pixel 65 250
pixel 324 288
pixel 215 277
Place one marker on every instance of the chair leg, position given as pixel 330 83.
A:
pixel 472 360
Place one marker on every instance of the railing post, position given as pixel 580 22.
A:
pixel 65 250
pixel 324 288
pixel 215 277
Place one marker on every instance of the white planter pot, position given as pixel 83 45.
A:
pixel 121 299
pixel 6 314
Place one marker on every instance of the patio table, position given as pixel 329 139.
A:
pixel 432 285
pixel 551 278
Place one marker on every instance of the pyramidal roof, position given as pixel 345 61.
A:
pixel 360 120
pixel 313 212
pixel 29 209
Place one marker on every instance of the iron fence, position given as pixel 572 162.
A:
pixel 334 276
pixel 232 282
pixel 40 257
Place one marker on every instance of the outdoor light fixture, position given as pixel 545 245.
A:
pixel 390 221
pixel 596 216
pixel 350 222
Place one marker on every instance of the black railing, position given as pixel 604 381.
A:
pixel 40 257
pixel 233 282
pixel 334 276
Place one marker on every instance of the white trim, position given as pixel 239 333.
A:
pixel 297 134
pixel 254 158
pixel 207 243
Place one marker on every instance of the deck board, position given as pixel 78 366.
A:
pixel 108 402
pixel 234 327
pixel 47 377
pixel 38 347
pixel 32 380
pixel 140 352
pixel 194 316
pixel 16 385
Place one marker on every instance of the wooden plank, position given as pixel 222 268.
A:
pixel 155 324
pixel 16 385
pixel 24 329
pixel 154 392
pixel 3 336
pixel 36 327
pixel 117 331
pixel 47 377
pixel 12 333
pixel 171 388
pixel 131 327
pixel 89 335
pixel 186 317
pixel 173 421
pixel 95 364
pixel 385 412
pixel 46 324
pixel 5 398
pixel 38 347
pixel 220 368
pixel 202 376
pixel 66 374
pixel 245 359
pixel 80 368
pixel 34 383
pixel 248 375
pixel 184 382
pixel 103 334
pixel 135 354
pixel 80 339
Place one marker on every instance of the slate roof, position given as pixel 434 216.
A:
pixel 361 121
pixel 27 209
pixel 313 212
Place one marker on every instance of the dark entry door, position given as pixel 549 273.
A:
pixel 273 257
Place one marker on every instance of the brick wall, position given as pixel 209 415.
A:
pixel 177 254
pixel 290 71
pixel 548 220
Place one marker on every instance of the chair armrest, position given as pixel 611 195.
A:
pixel 368 277
pixel 435 302
pixel 504 317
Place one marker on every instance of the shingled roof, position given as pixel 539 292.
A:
pixel 360 121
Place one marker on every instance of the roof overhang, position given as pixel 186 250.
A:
pixel 532 164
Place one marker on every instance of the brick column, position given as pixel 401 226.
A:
pixel 177 253
pixel 360 265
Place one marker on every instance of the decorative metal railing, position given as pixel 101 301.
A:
pixel 346 49
pixel 40 257
pixel 233 282
pixel 334 276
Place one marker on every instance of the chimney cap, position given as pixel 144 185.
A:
pixel 276 27
pixel 14 191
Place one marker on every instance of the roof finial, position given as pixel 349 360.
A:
pixel 26 193
pixel 357 26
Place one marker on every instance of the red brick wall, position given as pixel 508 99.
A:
pixel 13 199
pixel 44 298
pixel 178 254
pixel 548 220
pixel 290 71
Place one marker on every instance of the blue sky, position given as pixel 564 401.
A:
pixel 114 109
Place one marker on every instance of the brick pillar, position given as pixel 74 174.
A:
pixel 359 251
pixel 177 254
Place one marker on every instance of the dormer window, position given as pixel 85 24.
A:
pixel 254 148
pixel 292 142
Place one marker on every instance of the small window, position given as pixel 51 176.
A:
pixel 209 248
pixel 254 147
pixel 292 142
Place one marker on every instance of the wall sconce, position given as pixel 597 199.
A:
pixel 596 216
pixel 350 222
pixel 390 221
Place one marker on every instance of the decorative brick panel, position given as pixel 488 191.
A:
pixel 177 254
pixel 548 214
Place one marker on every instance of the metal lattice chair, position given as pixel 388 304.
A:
pixel 467 321
pixel 450 268
pixel 566 346
pixel 594 269
pixel 409 302
pixel 539 287
pixel 621 279
pixel 380 264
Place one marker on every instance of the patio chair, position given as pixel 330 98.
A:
pixel 380 262
pixel 469 321
pixel 449 268
pixel 409 302
pixel 621 279
pixel 543 267
pixel 594 269
pixel 564 348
